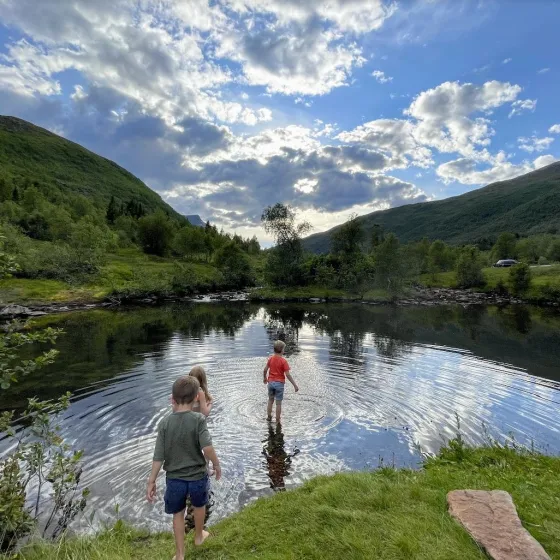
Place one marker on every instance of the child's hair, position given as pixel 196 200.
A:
pixel 199 374
pixel 185 390
pixel 279 345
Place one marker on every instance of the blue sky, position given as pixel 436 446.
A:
pixel 334 106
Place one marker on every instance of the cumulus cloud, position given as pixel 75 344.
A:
pixel 554 129
pixel 534 144
pixel 543 161
pixel 521 106
pixel 381 77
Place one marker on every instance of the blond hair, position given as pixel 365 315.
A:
pixel 185 389
pixel 200 375
pixel 279 345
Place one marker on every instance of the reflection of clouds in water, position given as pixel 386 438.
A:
pixel 365 393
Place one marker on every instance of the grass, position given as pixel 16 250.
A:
pixel 128 269
pixel 545 281
pixel 386 514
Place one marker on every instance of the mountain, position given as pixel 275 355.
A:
pixel 525 205
pixel 195 220
pixel 34 153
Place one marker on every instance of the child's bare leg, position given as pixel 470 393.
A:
pixel 200 535
pixel 278 411
pixel 269 408
pixel 179 534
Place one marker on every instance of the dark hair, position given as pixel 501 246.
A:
pixel 185 390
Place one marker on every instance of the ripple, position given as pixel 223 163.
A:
pixel 363 400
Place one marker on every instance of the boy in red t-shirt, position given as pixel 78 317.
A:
pixel 275 373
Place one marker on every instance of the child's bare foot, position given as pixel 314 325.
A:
pixel 178 557
pixel 269 418
pixel 199 540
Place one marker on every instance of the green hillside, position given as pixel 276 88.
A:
pixel 35 154
pixel 525 205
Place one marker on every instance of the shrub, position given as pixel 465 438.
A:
pixel 235 266
pixel 469 268
pixel 520 278
pixel 543 261
pixel 156 233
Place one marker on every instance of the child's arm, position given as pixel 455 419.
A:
pixel 291 380
pixel 265 373
pixel 205 407
pixel 151 491
pixel 210 454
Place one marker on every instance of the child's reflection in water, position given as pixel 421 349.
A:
pixel 278 461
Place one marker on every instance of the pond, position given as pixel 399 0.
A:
pixel 377 385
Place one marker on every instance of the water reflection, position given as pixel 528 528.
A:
pixel 278 461
pixel 374 382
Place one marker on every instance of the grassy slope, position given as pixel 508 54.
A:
pixel 30 151
pixel 528 204
pixel 128 267
pixel 387 515
pixel 542 277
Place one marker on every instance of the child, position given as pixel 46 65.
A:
pixel 204 403
pixel 182 439
pixel 275 373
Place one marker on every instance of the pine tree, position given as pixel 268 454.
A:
pixel 113 211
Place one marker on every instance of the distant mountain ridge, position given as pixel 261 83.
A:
pixel 528 204
pixel 35 153
pixel 196 220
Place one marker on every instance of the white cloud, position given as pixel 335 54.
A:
pixel 381 77
pixel 507 60
pixel 543 161
pixel 534 144
pixel 521 105
pixel 554 129
pixel 543 71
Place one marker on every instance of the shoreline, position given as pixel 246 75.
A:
pixel 417 297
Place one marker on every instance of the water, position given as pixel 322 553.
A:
pixel 376 384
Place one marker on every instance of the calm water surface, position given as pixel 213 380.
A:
pixel 376 384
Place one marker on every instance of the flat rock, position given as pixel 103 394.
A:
pixel 492 521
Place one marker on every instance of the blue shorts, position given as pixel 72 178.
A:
pixel 276 390
pixel 177 492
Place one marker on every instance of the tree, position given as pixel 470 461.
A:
pixel 39 458
pixel 520 278
pixel 156 233
pixel 376 236
pixel 113 210
pixel 234 264
pixel 254 247
pixel 440 257
pixel 347 239
pixel 190 241
pixel 469 268
pixel 285 262
pixel 15 195
pixel 504 247
pixel 391 271
pixel 553 252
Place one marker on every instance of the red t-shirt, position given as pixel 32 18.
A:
pixel 278 366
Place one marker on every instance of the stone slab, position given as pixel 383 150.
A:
pixel 492 521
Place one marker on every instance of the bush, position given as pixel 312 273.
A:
pixel 469 268
pixel 184 281
pixel 520 278
pixel 543 261
pixel 235 266
pixel 156 233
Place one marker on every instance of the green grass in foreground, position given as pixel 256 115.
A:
pixel 387 514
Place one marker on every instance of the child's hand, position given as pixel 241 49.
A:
pixel 265 380
pixel 217 471
pixel 151 492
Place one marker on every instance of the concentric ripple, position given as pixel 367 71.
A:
pixel 372 389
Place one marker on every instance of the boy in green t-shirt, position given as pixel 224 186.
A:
pixel 182 438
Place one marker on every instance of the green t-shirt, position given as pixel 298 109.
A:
pixel 180 440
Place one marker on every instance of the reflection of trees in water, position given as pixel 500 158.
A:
pixel 278 461
pixel 470 319
pixel 515 319
pixel 98 345
pixel 284 323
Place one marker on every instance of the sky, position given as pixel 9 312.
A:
pixel 336 107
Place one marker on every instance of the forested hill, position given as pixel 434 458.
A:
pixel 525 205
pixel 32 155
